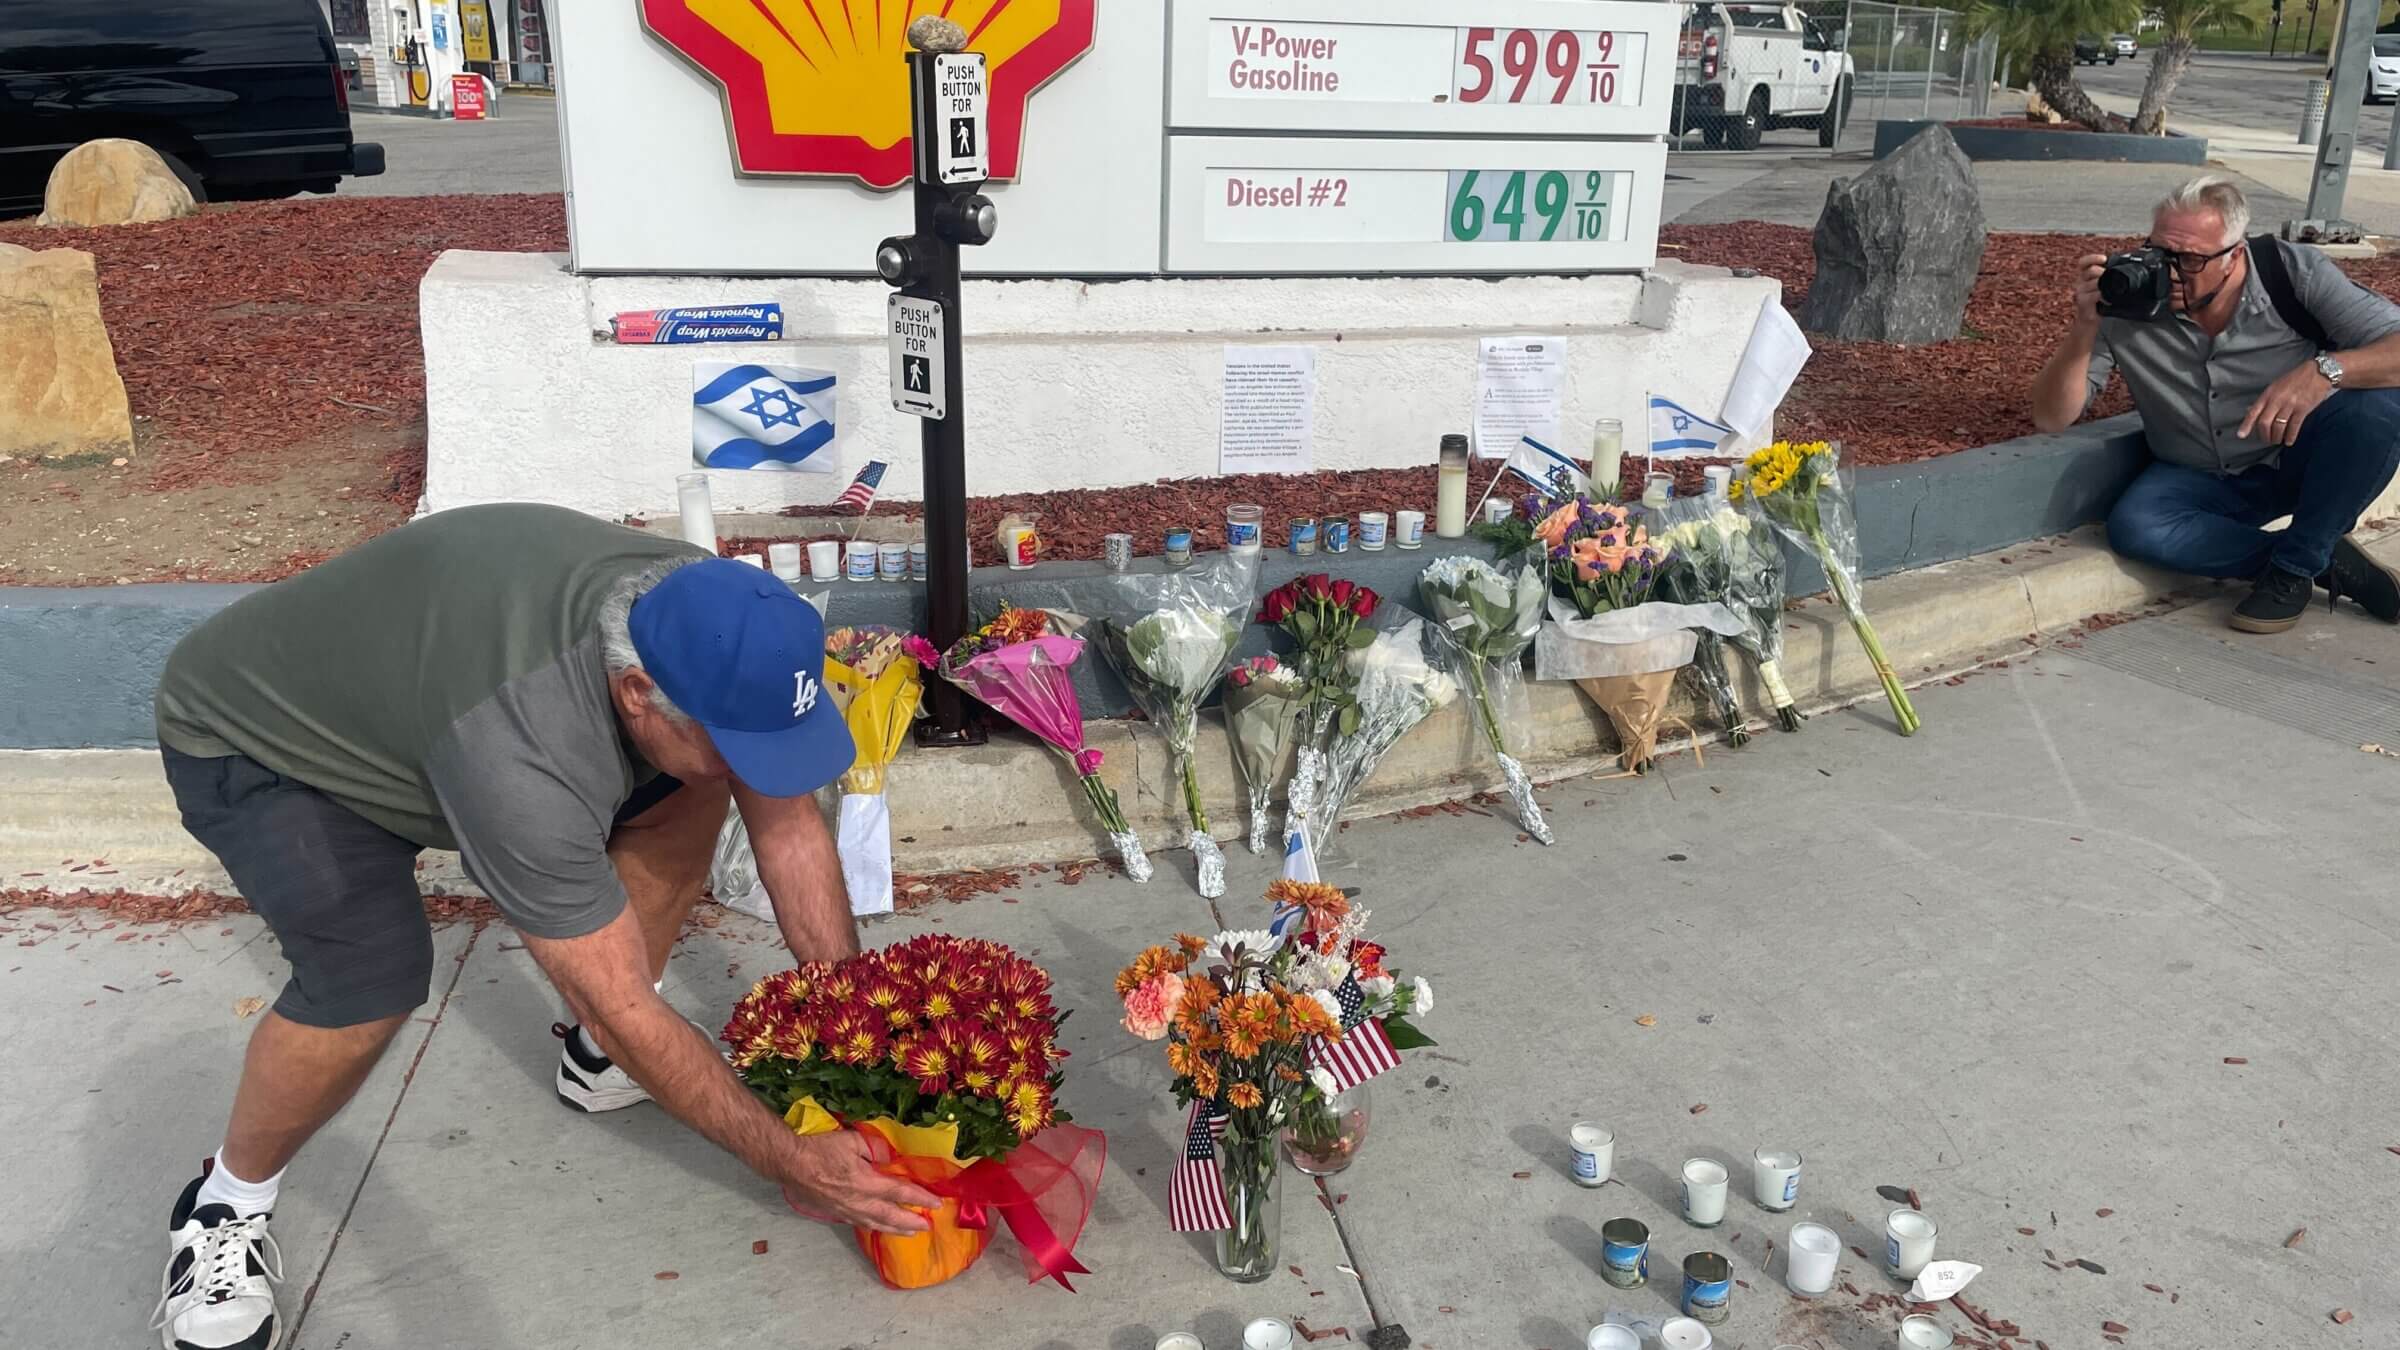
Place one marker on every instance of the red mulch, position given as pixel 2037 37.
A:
pixel 248 322
pixel 132 907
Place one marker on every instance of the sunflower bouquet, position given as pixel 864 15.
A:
pixel 1799 489
pixel 1021 668
pixel 1237 1029
pixel 942 1052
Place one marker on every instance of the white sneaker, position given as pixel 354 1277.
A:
pixel 592 1083
pixel 218 1290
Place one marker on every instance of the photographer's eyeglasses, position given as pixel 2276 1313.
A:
pixel 2192 264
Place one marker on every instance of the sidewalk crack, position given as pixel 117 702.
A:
pixel 334 1244
pixel 1358 1269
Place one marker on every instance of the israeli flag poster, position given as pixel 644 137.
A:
pixel 749 416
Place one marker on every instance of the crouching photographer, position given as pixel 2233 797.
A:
pixel 2268 385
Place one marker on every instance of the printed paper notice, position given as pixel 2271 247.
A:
pixel 1268 423
pixel 1518 382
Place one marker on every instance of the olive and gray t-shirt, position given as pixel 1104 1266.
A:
pixel 445 682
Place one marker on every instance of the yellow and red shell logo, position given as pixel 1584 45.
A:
pixel 821 86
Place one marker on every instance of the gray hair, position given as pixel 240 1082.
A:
pixel 617 654
pixel 2213 192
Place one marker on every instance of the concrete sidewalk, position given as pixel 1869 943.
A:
pixel 2004 963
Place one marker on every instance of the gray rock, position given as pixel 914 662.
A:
pixel 1898 247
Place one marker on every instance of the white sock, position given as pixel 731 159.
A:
pixel 244 1198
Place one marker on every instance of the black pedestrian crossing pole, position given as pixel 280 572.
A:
pixel 947 97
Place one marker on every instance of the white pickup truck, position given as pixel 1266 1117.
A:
pixel 1744 70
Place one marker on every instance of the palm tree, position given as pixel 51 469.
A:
pixel 2179 38
pixel 2041 34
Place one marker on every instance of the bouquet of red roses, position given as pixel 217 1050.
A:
pixel 943 1052
pixel 1324 617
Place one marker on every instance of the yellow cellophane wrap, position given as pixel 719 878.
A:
pixel 878 712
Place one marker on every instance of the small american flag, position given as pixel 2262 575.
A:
pixel 1196 1197
pixel 861 492
pixel 1364 1049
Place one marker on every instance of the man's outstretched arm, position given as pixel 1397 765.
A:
pixel 802 871
pixel 601 974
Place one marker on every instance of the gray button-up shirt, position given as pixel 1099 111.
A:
pixel 2193 390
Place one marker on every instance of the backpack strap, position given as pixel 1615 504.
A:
pixel 2275 274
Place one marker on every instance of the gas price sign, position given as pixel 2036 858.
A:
pixel 1437 67
pixel 1548 206
pixel 1557 66
pixel 1255 204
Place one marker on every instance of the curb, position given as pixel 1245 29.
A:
pixel 1014 802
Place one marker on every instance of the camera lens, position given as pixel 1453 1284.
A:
pixel 2123 280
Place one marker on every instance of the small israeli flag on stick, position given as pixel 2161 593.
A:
pixel 1676 432
pixel 749 416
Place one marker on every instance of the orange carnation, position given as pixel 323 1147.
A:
pixel 1245 1095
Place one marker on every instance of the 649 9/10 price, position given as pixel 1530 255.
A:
pixel 1522 205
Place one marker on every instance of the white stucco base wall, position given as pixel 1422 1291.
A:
pixel 1069 384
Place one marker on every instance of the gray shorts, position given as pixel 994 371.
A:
pixel 338 890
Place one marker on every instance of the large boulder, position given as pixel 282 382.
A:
pixel 59 391
pixel 114 182
pixel 1898 247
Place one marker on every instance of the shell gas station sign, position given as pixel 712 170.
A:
pixel 1127 137
pixel 819 87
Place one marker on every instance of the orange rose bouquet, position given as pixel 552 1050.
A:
pixel 944 1053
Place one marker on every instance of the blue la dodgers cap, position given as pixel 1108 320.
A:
pixel 745 658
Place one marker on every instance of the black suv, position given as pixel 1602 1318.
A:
pixel 243 98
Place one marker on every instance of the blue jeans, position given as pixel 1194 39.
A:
pixel 2191 520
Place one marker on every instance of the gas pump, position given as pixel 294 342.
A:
pixel 419 72
pixel 948 95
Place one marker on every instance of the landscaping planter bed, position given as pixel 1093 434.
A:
pixel 1994 139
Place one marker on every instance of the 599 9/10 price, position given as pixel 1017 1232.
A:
pixel 1536 65
pixel 1491 206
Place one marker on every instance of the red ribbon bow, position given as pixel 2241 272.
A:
pixel 1044 1188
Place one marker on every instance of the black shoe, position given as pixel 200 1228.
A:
pixel 2374 586
pixel 2274 604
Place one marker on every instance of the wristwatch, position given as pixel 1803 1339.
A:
pixel 2330 369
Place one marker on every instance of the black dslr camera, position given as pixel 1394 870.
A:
pixel 2136 285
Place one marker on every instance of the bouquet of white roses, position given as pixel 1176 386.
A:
pixel 1482 621
pixel 1700 571
pixel 1171 658
pixel 1395 690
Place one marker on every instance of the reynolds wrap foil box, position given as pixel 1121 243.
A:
pixel 708 323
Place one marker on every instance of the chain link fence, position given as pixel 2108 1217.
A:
pixel 1911 64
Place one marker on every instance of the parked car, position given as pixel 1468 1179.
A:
pixel 2383 69
pixel 2091 51
pixel 2124 45
pixel 242 98
pixel 1744 70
